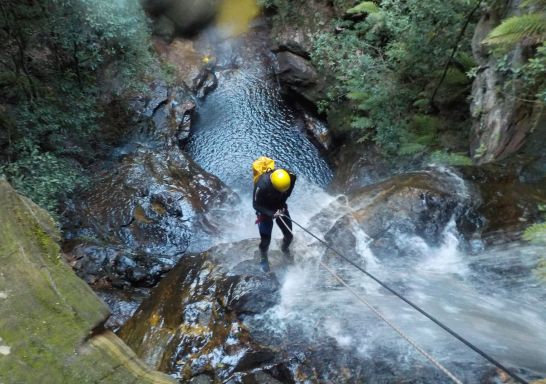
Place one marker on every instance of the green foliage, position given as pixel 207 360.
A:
pixel 51 55
pixel 48 136
pixel 408 149
pixel 445 158
pixel 533 73
pixel 425 124
pixel 266 3
pixel 537 4
pixel 529 28
pixel 385 66
pixel 364 7
pixel 42 176
pixel 536 233
pixel 540 269
pixel 455 77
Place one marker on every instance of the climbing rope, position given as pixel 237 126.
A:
pixel 394 327
pixel 410 303
pixel 382 317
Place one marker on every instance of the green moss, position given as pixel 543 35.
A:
pixel 49 312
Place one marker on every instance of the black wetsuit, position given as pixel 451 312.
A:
pixel 266 201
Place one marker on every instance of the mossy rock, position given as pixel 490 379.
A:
pixel 49 318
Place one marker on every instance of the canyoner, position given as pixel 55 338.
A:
pixel 272 187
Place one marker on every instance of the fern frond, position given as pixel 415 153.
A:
pixel 365 7
pixel 425 124
pixel 454 77
pixel 408 149
pixel 427 139
pixel 466 60
pixel 358 96
pixel 362 123
pixel 536 233
pixel 530 27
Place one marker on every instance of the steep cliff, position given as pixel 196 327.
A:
pixel 503 118
pixel 49 319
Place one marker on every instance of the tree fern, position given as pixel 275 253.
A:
pixel 529 29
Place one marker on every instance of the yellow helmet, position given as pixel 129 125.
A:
pixel 280 180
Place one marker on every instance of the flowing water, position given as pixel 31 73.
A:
pixel 245 118
pixel 492 297
pixel 479 296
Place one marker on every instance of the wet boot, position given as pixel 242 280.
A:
pixel 264 262
pixel 288 258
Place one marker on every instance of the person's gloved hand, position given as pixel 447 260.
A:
pixel 279 213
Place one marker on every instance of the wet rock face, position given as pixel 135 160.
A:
pixel 502 123
pixel 358 166
pixel 294 44
pixel 295 70
pixel 50 319
pixel 141 216
pixel 318 132
pixel 148 198
pixel 416 204
pixel 506 206
pixel 192 67
pixel 205 83
pixel 298 76
pixel 487 204
pixel 298 38
pixel 191 327
pixel 164 113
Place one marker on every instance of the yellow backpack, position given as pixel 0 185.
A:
pixel 262 165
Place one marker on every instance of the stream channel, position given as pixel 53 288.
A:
pixel 502 313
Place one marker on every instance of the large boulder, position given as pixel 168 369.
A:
pixel 50 319
pixel 417 204
pixel 503 204
pixel 294 37
pixel 295 71
pixel 159 113
pixel 482 205
pixel 163 114
pixel 137 219
pixel 148 198
pixel 213 319
pixel 299 77
pixel 191 324
pixel 192 66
